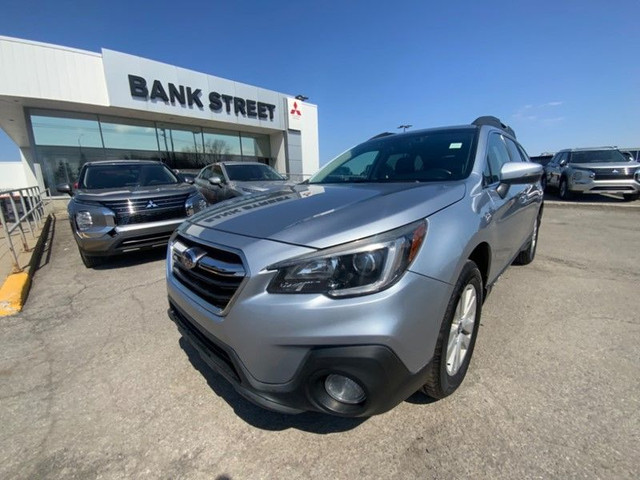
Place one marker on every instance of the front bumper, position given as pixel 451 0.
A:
pixel 276 349
pixel 120 239
pixel 378 370
pixel 619 187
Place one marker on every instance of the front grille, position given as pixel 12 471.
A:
pixel 215 275
pixel 150 209
pixel 614 173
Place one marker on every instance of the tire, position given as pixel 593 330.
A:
pixel 631 197
pixel 443 376
pixel 88 260
pixel 526 256
pixel 563 191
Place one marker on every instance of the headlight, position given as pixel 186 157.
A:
pixel 84 220
pixel 194 204
pixel 637 175
pixel 357 268
pixel 582 175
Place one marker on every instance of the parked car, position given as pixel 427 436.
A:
pixel 224 180
pixel 125 205
pixel 593 171
pixel 352 291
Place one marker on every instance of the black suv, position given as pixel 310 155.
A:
pixel 125 205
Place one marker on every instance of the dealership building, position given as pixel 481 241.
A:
pixel 64 107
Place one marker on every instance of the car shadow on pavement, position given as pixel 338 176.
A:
pixel 131 259
pixel 265 419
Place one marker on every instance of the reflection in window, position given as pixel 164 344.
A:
pixel 128 134
pixel 221 146
pixel 255 145
pixel 72 132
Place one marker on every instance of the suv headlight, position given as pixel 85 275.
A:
pixel 194 204
pixel 583 175
pixel 637 175
pixel 84 221
pixel 362 267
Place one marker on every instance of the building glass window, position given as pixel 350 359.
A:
pixel 65 131
pixel 221 146
pixel 256 145
pixel 128 134
pixel 65 141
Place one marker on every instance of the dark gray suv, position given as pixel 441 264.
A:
pixel 352 291
pixel 125 205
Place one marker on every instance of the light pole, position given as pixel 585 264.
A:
pixel 404 127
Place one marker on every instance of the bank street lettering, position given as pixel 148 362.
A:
pixel 187 96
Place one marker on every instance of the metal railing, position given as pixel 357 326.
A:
pixel 21 209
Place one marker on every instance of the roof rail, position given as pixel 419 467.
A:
pixel 494 122
pixel 383 134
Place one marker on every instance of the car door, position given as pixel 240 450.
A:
pixel 504 219
pixel 203 185
pixel 528 197
pixel 553 169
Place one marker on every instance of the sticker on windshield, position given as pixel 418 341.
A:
pixel 455 146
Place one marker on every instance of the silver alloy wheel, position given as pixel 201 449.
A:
pixel 462 325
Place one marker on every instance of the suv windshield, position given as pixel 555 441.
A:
pixel 598 156
pixel 98 177
pixel 422 157
pixel 252 173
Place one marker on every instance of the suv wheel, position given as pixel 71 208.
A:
pixel 526 256
pixel 564 192
pixel 457 335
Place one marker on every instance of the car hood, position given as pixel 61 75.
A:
pixel 633 166
pixel 132 193
pixel 320 216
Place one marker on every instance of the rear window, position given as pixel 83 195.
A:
pixel 432 156
pixel 97 177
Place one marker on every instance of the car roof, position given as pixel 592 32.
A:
pixel 587 149
pixel 241 163
pixel 124 162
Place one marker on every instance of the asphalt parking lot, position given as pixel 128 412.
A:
pixel 96 383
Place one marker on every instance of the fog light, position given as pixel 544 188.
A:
pixel 343 389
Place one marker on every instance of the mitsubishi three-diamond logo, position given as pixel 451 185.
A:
pixel 151 204
pixel 295 110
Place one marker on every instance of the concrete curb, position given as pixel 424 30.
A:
pixel 15 290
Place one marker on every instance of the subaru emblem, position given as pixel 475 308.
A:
pixel 190 257
pixel 151 204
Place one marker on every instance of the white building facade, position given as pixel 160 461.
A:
pixel 64 107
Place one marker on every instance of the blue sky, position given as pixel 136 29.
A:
pixel 562 73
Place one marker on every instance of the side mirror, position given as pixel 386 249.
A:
pixel 513 173
pixel 186 178
pixel 563 162
pixel 215 180
pixel 64 188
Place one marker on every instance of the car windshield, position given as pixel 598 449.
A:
pixel 98 177
pixel 598 156
pixel 252 173
pixel 431 156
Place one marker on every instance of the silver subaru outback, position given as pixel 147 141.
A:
pixel 350 292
